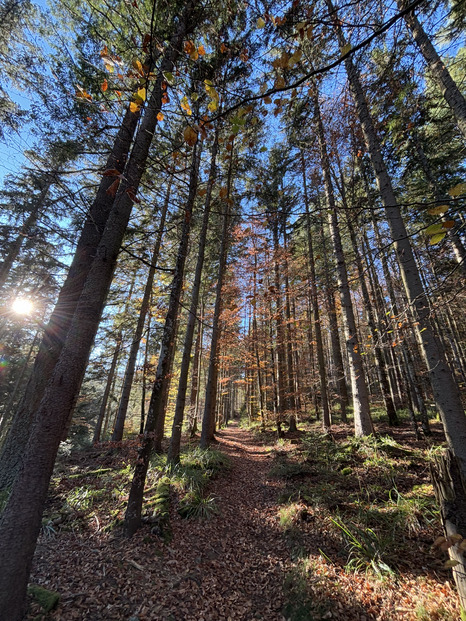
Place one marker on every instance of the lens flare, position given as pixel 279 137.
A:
pixel 21 306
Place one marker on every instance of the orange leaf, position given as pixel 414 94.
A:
pixel 201 50
pixel 223 48
pixel 160 116
pixel 104 86
pixel 190 136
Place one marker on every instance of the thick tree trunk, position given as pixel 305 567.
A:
pixel 135 500
pixel 208 419
pixel 446 392
pixel 450 491
pixel 175 442
pixel 117 434
pixel 438 70
pixel 21 519
pixel 362 417
pixel 326 420
pixel 60 320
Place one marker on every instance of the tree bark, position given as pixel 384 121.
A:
pixel 60 320
pixel 108 386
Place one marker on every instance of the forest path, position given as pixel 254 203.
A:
pixel 229 567
pixel 240 556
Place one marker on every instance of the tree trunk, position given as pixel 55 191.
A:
pixel 326 420
pixel 175 442
pixel 21 519
pixel 438 70
pixel 450 492
pixel 208 420
pixel 135 500
pixel 379 358
pixel 362 418
pixel 144 374
pixel 60 320
pixel 108 386
pixel 291 400
pixel 446 392
pixel 133 353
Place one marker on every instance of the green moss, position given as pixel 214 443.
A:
pixel 48 600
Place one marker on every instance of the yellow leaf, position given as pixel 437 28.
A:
pixel 435 239
pixel 138 66
pixel 142 94
pixel 457 190
pixel 134 107
pixel 185 105
pixel 345 49
pixel 213 105
pixel 260 23
pixel 160 116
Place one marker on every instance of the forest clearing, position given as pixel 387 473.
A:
pixel 232 319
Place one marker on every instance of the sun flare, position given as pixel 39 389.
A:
pixel 21 306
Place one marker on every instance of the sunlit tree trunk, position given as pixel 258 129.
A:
pixel 326 420
pixel 362 418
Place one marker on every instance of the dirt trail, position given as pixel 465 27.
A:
pixel 231 566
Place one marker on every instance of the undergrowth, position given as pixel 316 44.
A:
pixel 98 496
pixel 373 491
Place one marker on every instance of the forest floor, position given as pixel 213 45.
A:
pixel 282 537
